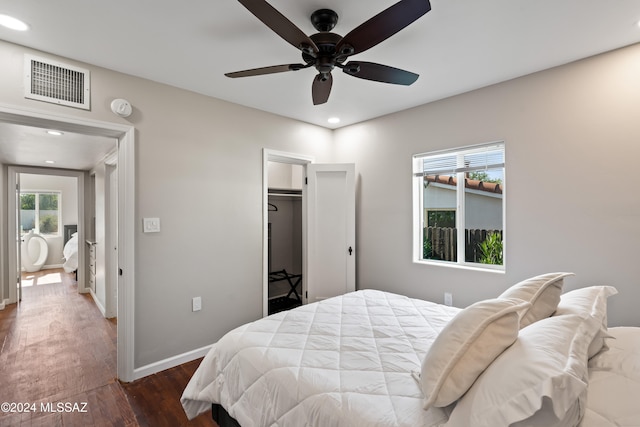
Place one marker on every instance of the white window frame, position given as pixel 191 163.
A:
pixel 37 193
pixel 418 208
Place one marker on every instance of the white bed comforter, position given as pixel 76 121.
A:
pixel 613 398
pixel 345 361
pixel 70 253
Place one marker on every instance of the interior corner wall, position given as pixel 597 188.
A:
pixel 572 143
pixel 192 151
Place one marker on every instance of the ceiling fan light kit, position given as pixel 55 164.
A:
pixel 326 50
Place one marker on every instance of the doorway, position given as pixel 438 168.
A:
pixel 125 136
pixel 47 213
pixel 281 286
pixel 327 223
pixel 285 236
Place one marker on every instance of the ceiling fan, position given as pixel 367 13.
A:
pixel 326 50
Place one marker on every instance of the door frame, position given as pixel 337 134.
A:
pixel 111 237
pixel 12 219
pixel 125 135
pixel 292 159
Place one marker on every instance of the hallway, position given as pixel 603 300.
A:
pixel 57 349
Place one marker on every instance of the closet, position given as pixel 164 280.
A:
pixel 284 236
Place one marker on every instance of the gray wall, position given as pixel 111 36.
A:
pixel 572 144
pixel 571 205
pixel 192 152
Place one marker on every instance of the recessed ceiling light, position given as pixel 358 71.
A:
pixel 49 161
pixel 55 132
pixel 13 23
pixel 334 120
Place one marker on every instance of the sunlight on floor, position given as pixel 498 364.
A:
pixel 29 279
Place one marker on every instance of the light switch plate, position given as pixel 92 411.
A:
pixel 151 225
pixel 196 304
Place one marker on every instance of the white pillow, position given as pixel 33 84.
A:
pixel 543 292
pixel 548 362
pixel 466 346
pixel 590 301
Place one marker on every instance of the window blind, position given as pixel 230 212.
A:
pixel 450 162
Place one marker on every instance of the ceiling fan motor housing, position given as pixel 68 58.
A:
pixel 324 19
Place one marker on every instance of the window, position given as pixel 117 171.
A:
pixel 459 206
pixel 39 211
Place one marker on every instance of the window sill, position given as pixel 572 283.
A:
pixel 500 269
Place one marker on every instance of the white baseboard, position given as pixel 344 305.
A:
pixel 51 266
pixel 170 362
pixel 3 304
pixel 44 267
pixel 97 301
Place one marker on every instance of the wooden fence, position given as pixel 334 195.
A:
pixel 441 243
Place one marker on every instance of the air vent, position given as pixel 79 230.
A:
pixel 57 83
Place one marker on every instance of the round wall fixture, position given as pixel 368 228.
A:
pixel 121 107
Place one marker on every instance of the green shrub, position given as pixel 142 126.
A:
pixel 491 249
pixel 48 224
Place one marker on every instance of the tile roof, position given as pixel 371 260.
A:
pixel 474 184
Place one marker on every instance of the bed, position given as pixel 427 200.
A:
pixel 70 253
pixel 373 358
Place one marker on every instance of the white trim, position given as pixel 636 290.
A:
pixel 51 266
pixel 289 158
pixel 487 268
pixel 126 255
pixel 170 362
pixel 126 212
pixel 97 301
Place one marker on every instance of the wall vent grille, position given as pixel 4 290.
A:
pixel 57 83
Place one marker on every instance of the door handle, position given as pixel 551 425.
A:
pixel 350 250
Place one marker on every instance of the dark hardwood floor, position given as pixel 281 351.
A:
pixel 58 365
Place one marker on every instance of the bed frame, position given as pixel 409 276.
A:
pixel 68 231
pixel 222 417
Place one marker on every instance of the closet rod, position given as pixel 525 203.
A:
pixel 285 194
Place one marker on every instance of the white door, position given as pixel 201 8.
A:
pixel 330 256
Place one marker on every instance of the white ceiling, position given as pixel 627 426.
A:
pixel 459 46
pixel 32 146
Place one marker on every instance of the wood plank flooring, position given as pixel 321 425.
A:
pixel 58 356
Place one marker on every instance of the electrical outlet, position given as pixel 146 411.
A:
pixel 196 304
pixel 448 299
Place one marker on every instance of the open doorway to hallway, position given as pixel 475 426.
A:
pixel 17 122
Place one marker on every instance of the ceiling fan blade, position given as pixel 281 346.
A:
pixel 379 73
pixel 321 88
pixel 266 70
pixel 280 25
pixel 382 26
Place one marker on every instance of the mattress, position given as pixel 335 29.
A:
pixel 613 397
pixel 344 361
